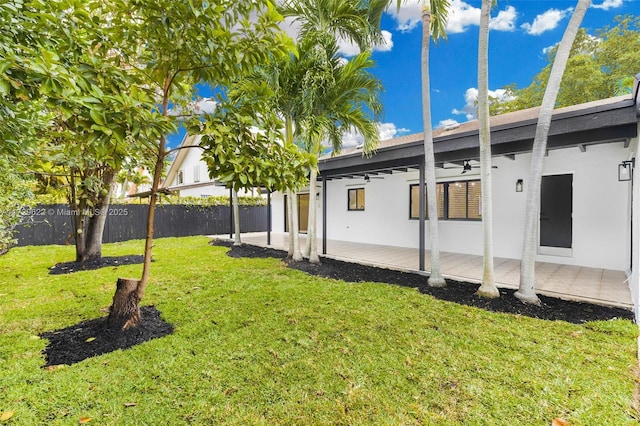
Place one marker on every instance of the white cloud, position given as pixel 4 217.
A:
pixel 205 106
pixel 348 48
pixel 505 21
pixel 547 49
pixel 547 21
pixel 461 16
pixel 608 4
pixel 471 97
pixel 389 131
pixel 385 130
pixel 449 122
pixel 469 108
pixel 198 107
pixel 387 45
pixel 408 16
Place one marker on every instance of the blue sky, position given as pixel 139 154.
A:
pixel 520 33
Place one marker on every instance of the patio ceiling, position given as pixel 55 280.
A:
pixel 606 121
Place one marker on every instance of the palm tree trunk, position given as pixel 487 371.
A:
pixel 435 277
pixel 306 253
pixel 294 231
pixel 488 287
pixel 290 222
pixel 292 206
pixel 312 231
pixel 526 289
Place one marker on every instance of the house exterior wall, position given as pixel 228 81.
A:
pixel 634 230
pixel 600 214
pixel 198 183
pixel 278 213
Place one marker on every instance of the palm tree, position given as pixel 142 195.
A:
pixel 526 290
pixel 434 19
pixel 488 287
pixel 324 20
pixel 337 97
pixel 357 21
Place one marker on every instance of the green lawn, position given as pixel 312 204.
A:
pixel 258 343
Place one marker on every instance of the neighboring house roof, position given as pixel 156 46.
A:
pixel 603 121
pixel 182 151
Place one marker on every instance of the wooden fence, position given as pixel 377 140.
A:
pixel 51 224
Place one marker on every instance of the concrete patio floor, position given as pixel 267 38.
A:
pixel 593 285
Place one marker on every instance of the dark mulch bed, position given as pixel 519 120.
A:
pixel 91 338
pixel 89 265
pixel 459 292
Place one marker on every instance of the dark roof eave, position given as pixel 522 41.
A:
pixel 570 127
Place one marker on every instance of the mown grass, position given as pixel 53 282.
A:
pixel 258 343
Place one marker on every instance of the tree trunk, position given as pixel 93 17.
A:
pixel 125 309
pixel 236 219
pixel 122 305
pixel 312 231
pixel 488 287
pixel 77 218
pixel 526 289
pixel 96 222
pixel 435 277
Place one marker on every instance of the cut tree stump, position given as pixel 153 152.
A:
pixel 125 309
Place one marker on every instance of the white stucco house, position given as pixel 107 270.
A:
pixel 188 175
pixel 590 206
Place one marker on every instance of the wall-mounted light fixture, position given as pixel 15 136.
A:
pixel 625 170
pixel 519 185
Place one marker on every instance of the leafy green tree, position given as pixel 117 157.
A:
pixel 131 172
pixel 526 289
pixel 58 57
pixel 488 287
pixel 599 67
pixel 242 143
pixel 15 196
pixel 176 45
pixel 434 19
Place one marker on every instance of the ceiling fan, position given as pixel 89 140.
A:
pixel 367 178
pixel 467 167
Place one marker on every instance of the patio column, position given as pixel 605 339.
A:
pixel 324 215
pixel 231 213
pixel 421 206
pixel 268 217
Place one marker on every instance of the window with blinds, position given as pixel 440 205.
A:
pixel 356 199
pixel 456 200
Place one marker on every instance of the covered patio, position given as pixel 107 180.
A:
pixel 592 285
